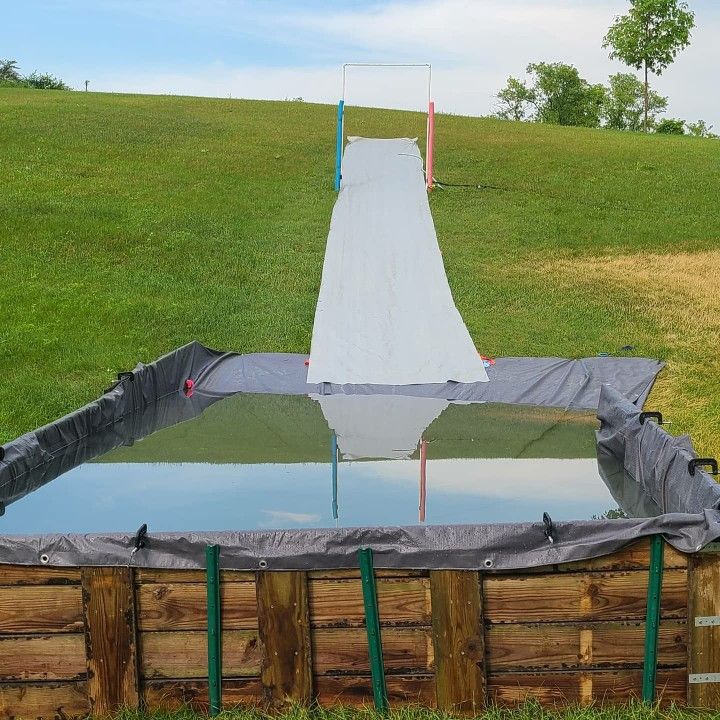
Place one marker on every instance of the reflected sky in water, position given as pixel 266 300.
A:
pixel 264 462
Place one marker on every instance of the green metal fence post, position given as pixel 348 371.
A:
pixel 372 624
pixel 652 618
pixel 214 628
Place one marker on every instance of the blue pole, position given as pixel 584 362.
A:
pixel 339 144
pixel 334 451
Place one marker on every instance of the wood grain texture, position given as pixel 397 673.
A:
pixel 150 575
pixel 43 657
pixel 40 575
pixel 354 574
pixel 550 646
pixel 339 603
pixel 284 628
pixel 111 639
pixel 345 650
pixel 458 638
pixel 177 655
pixel 605 687
pixel 635 556
pixel 171 695
pixel 571 597
pixel 183 606
pixel 704 652
pixel 46 701
pixel 41 609
pixel 356 691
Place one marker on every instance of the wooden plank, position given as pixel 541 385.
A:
pixel 550 646
pixel 604 687
pixel 46 701
pixel 110 638
pixel 284 629
pixel 356 691
pixel 145 576
pixel 345 650
pixel 38 575
pixel 704 650
pixel 458 639
pixel 183 606
pixel 177 655
pixel 633 557
pixel 169 695
pixel 40 609
pixel 42 657
pixel 572 597
pixel 339 603
pixel 354 574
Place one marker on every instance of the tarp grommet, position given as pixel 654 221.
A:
pixel 44 558
pixel 263 564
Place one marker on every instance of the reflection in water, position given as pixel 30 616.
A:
pixel 268 461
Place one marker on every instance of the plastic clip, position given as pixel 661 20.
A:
pixel 140 539
pixel 703 462
pixel 549 528
pixel 650 414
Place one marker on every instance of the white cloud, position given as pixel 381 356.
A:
pixel 473 45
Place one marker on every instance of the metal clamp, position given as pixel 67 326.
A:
pixel 703 462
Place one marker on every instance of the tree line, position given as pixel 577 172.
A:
pixel 648 38
pixel 10 77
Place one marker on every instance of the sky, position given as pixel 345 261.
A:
pixel 277 49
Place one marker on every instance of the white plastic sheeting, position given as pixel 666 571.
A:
pixel 385 314
pixel 379 426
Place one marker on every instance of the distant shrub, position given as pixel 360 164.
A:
pixel 45 81
pixel 670 126
pixel 11 77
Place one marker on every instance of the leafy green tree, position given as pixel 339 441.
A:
pixel 9 71
pixel 563 97
pixel 45 81
pixel 557 94
pixel 701 129
pixel 649 37
pixel 515 100
pixel 670 126
pixel 624 103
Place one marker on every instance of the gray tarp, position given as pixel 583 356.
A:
pixel 656 461
pixel 148 399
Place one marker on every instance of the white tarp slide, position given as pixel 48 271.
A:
pixel 379 426
pixel 385 314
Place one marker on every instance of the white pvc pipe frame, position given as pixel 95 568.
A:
pixel 382 65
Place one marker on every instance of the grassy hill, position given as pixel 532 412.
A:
pixel 132 224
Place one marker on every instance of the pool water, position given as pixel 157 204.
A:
pixel 255 462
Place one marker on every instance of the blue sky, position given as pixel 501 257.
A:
pixel 276 49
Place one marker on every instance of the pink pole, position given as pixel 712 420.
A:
pixel 423 479
pixel 430 144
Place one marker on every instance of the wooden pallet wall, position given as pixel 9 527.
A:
pixel 78 641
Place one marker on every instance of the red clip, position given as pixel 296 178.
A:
pixel 307 362
pixel 189 387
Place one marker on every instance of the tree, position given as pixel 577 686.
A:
pixel 515 98
pixel 649 37
pixel 45 81
pixel 557 94
pixel 9 71
pixel 624 103
pixel 563 97
pixel 701 129
pixel 670 126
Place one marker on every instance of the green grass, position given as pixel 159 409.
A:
pixel 530 711
pixel 130 225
